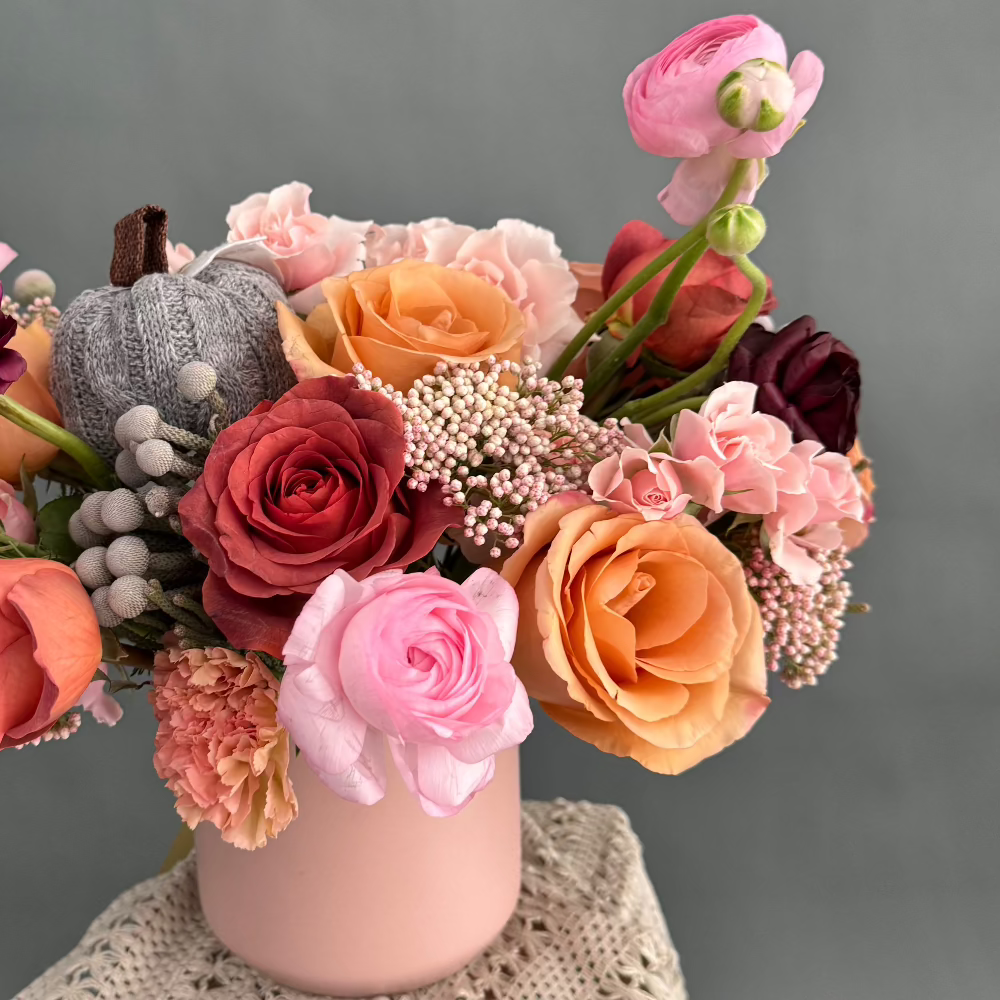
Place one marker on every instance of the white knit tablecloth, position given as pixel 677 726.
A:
pixel 588 927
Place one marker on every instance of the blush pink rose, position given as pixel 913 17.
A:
pixel 670 99
pixel 388 244
pixel 15 519
pixel 306 247
pixel 819 518
pixel 639 482
pixel 521 259
pixel 732 457
pixel 414 659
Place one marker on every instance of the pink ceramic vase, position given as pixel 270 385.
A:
pixel 356 900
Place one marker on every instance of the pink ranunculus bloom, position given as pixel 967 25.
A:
pixel 670 99
pixel 306 247
pixel 522 259
pixel 414 659
pixel 732 457
pixel 820 518
pixel 15 519
pixel 637 482
pixel 179 255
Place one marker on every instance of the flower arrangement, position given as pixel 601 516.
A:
pixel 453 471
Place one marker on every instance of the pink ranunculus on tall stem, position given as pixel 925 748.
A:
pixel 671 104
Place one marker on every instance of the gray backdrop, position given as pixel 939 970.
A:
pixel 848 847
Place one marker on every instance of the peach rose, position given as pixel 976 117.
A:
pixel 34 344
pixel 50 646
pixel 399 321
pixel 856 532
pixel 645 640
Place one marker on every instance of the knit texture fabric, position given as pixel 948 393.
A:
pixel 118 347
pixel 587 927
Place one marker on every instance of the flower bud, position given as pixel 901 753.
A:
pixel 756 96
pixel 735 230
pixel 31 285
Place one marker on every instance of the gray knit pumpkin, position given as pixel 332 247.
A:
pixel 122 345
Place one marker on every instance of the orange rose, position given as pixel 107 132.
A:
pixel 399 321
pixel 645 640
pixel 34 344
pixel 50 646
pixel 856 532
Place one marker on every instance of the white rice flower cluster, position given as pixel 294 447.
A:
pixel 499 439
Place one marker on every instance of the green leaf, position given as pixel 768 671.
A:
pixel 28 490
pixel 742 519
pixel 112 650
pixel 53 528
pixel 661 446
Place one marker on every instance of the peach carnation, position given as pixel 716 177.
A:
pixel 219 746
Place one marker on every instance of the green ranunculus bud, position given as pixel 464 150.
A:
pixel 756 96
pixel 735 230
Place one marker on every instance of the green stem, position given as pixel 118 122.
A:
pixel 655 366
pixel 656 315
pixel 648 410
pixel 92 464
pixel 650 271
pixel 21 550
pixel 691 403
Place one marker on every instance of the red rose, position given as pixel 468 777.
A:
pixel 715 293
pixel 296 490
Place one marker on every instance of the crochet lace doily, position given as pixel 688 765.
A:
pixel 588 927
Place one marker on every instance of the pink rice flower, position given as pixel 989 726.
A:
pixel 413 659
pixel 219 746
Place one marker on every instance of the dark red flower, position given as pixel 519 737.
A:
pixel 810 380
pixel 12 365
pixel 296 490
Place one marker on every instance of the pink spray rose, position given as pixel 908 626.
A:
pixel 413 658
pixel 639 482
pixel 521 259
pixel 306 247
pixel 178 256
pixel 15 519
pixel 670 101
pixel 732 457
pixel 816 518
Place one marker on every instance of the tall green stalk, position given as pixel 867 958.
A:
pixel 598 320
pixel 655 316
pixel 656 409
pixel 92 464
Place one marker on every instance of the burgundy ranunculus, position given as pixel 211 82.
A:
pixel 810 380
pixel 299 488
pixel 12 365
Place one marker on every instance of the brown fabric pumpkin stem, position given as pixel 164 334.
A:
pixel 140 246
